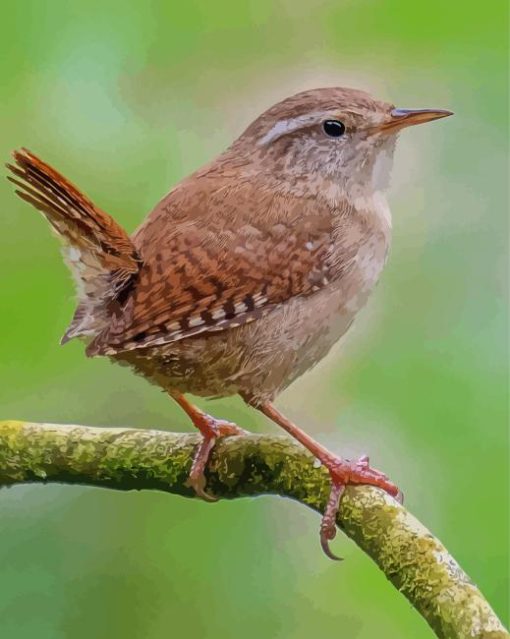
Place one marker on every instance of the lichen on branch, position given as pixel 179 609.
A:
pixel 417 564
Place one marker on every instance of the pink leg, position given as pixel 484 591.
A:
pixel 211 430
pixel 342 472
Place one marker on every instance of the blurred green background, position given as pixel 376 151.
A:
pixel 128 97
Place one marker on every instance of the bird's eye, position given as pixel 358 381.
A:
pixel 333 128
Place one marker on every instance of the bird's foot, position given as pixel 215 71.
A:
pixel 344 472
pixel 212 429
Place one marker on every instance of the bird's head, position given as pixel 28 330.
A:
pixel 343 135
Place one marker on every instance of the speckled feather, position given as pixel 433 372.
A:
pixel 248 271
pixel 199 275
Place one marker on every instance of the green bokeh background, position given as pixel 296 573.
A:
pixel 128 97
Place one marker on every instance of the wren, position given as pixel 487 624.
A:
pixel 244 276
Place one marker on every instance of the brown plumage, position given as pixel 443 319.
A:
pixel 249 270
pixel 98 250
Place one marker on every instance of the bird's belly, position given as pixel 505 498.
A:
pixel 310 327
pixel 259 359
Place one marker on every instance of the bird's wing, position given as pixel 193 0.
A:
pixel 225 260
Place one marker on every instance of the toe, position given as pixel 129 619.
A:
pixel 328 522
pixel 227 429
pixel 359 472
pixel 364 461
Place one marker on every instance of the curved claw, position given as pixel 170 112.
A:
pixel 325 537
pixel 328 523
pixel 199 488
pixel 212 429
pixel 349 472
pixel 203 494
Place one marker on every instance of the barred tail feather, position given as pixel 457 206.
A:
pixel 99 252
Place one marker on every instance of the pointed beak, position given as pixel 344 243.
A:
pixel 400 118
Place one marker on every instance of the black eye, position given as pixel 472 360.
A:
pixel 333 128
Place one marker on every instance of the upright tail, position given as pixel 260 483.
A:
pixel 99 252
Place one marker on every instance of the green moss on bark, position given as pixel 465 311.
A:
pixel 415 562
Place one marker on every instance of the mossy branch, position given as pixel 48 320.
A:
pixel 417 564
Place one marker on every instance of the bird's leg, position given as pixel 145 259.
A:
pixel 211 429
pixel 342 472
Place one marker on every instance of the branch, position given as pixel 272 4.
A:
pixel 417 564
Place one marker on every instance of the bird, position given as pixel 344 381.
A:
pixel 248 271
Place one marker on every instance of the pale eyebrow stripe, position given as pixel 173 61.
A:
pixel 293 124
